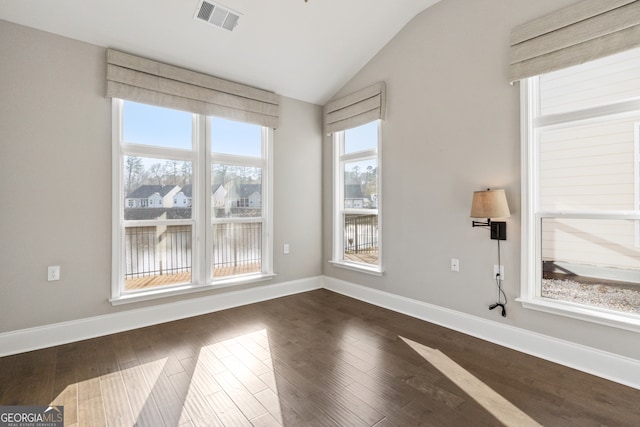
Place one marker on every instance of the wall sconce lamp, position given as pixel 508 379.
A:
pixel 491 204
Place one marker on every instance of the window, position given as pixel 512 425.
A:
pixel 357 198
pixel 580 192
pixel 173 170
pixel 237 172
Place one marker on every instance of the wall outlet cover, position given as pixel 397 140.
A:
pixel 53 273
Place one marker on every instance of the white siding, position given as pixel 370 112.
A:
pixel 608 243
pixel 588 167
pixel 568 90
pixel 181 200
pixel 255 200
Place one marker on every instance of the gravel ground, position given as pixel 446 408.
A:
pixel 621 298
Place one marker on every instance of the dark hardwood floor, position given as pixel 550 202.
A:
pixel 316 359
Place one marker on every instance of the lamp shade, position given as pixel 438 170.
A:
pixel 490 204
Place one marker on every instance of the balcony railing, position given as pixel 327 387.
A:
pixel 161 255
pixel 237 248
pixel 361 238
pixel 157 250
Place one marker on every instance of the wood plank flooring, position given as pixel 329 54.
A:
pixel 312 359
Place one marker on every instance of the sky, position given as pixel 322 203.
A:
pixel 361 138
pixel 150 125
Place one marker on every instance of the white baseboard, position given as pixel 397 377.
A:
pixel 65 332
pixel 603 364
pixel 587 359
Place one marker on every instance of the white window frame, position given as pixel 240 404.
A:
pixel 532 215
pixel 636 175
pixel 339 210
pixel 201 220
pixel 265 163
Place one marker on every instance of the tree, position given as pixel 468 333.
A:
pixel 172 171
pixel 355 173
pixel 186 173
pixel 220 174
pixel 134 173
pixel 156 173
pixel 370 181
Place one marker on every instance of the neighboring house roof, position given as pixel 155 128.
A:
pixel 215 188
pixel 145 191
pixel 246 190
pixel 186 190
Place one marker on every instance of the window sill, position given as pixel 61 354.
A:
pixel 376 271
pixel 189 288
pixel 628 321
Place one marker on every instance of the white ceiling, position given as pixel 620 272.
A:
pixel 306 51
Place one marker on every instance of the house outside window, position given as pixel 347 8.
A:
pixel 162 156
pixel 580 191
pixel 237 167
pixel 357 177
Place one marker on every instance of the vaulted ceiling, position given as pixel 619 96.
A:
pixel 303 50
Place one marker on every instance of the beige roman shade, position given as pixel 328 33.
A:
pixel 356 109
pixel 142 80
pixel 582 32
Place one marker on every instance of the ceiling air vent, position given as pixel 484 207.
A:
pixel 217 15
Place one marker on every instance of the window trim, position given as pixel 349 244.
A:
pixel 636 176
pixel 531 272
pixel 201 219
pixel 339 159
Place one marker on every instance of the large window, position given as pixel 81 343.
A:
pixel 238 162
pixel 357 198
pixel 172 171
pixel 580 204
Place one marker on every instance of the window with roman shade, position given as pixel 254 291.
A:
pixel 150 82
pixel 354 123
pixel 582 32
pixel 357 109
pixel 192 180
pixel 579 73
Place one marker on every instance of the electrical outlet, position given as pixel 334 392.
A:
pixel 500 271
pixel 455 265
pixel 53 273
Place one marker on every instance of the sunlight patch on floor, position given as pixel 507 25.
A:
pixel 497 405
pixel 231 381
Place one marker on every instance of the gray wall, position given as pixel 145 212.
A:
pixel 55 182
pixel 452 127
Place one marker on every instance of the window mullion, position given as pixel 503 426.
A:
pixel 204 232
pixel 267 205
pixel 359 155
pixel 157 152
pixel 588 114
